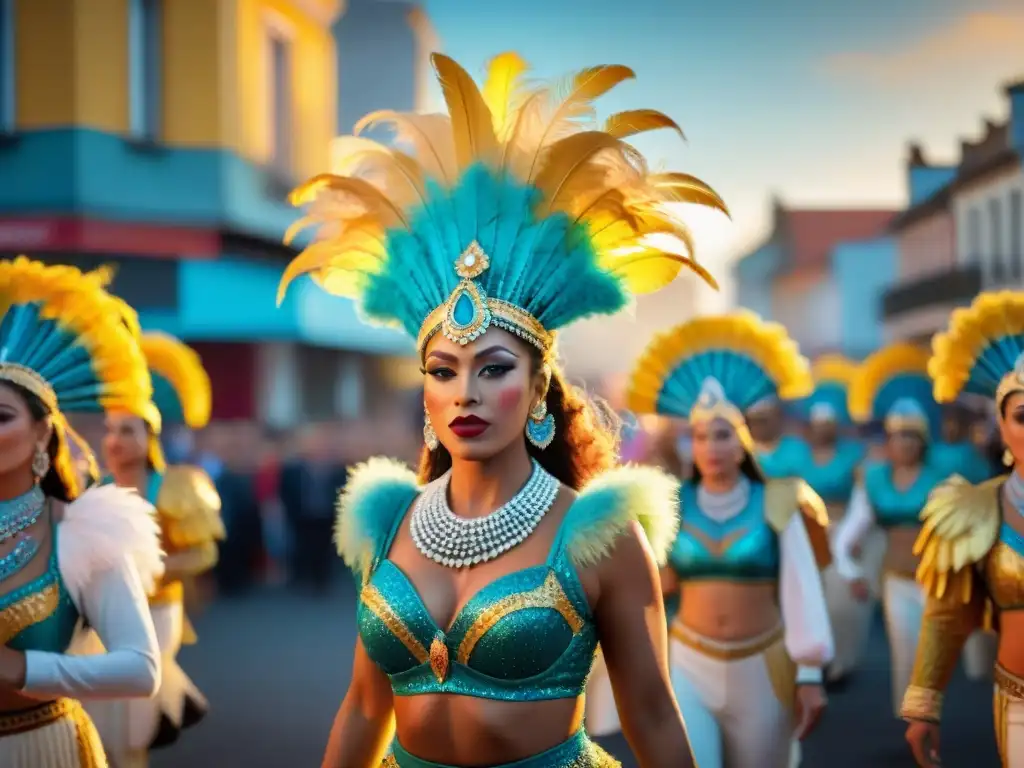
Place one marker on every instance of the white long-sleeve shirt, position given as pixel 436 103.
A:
pixel 808 632
pixel 860 518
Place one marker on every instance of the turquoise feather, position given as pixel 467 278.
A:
pixel 743 380
pixel 908 386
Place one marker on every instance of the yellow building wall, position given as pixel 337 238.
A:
pixel 44 61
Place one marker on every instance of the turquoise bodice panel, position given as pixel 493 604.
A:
pixel 743 548
pixel 526 636
pixel 893 507
pixel 833 480
pixel 785 460
pixel 959 458
pixel 39 616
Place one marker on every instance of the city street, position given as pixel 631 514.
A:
pixel 274 665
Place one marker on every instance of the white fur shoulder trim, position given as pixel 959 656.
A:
pixel 101 529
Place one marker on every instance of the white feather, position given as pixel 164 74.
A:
pixel 100 529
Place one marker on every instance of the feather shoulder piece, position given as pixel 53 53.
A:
pixel 376 496
pixel 188 508
pixel 614 499
pixel 960 526
pixel 786 497
pixel 102 527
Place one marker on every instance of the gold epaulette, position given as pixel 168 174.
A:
pixel 960 525
pixel 783 498
pixel 189 509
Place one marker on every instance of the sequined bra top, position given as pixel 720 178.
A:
pixel 39 615
pixel 743 547
pixel 895 507
pixel 785 460
pixel 834 479
pixel 527 636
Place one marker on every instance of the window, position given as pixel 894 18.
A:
pixel 280 102
pixel 1017 232
pixel 996 245
pixel 145 93
pixel 8 105
pixel 973 236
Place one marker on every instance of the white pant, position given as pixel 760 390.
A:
pixel 733 714
pixel 602 716
pixel 851 618
pixel 903 603
pixel 1013 754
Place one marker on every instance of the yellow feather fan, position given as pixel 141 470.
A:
pixel 877 370
pixel 179 364
pixel 748 356
pixel 834 368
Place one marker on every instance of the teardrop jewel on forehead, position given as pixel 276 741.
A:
pixel 712 393
pixel 460 542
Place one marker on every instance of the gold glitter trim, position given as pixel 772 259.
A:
pixel 30 610
pixel 548 595
pixel 90 749
pixel 28 379
pixel 921 704
pixel 389 762
pixel 439 657
pixel 1009 683
pixel 472 262
pixel 716 547
pixel 503 314
pixel 37 717
pixel 374 600
pixel 726 651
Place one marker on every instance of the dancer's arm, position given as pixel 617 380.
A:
pixel 364 725
pixel 858 521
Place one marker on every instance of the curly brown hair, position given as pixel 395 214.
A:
pixel 586 441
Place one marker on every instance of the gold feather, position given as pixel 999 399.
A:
pixel 386 167
pixel 359 248
pixel 472 125
pixel 568 157
pixel 429 136
pixel 652 269
pixel 375 202
pixel 684 188
pixel 504 75
pixel 624 124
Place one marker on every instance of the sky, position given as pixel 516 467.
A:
pixel 776 97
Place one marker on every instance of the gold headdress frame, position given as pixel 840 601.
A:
pixel 902 422
pixel 1011 383
pixel 487 311
pixel 713 404
pixel 26 378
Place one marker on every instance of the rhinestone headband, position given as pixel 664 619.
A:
pixel 25 377
pixel 468 312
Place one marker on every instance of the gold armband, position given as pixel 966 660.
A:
pixel 921 704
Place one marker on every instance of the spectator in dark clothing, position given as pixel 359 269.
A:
pixel 309 487
pixel 242 551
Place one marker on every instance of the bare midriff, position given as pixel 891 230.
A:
pixel 12 701
pixel 899 553
pixel 729 610
pixel 460 729
pixel 1011 641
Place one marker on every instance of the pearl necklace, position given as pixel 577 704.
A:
pixel 722 506
pixel 460 542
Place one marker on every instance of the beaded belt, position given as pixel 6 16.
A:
pixel 1009 683
pixel 12 723
pixel 726 650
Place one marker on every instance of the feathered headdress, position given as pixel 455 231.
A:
pixel 181 386
pixel 60 341
pixel 717 367
pixel 832 377
pixel 892 386
pixel 982 352
pixel 512 211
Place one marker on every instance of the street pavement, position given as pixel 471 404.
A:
pixel 275 665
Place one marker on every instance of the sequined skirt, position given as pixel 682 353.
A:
pixel 57 734
pixel 577 752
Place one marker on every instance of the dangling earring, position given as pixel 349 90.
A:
pixel 1008 458
pixel 540 427
pixel 429 435
pixel 40 463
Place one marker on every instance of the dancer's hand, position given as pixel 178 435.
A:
pixel 860 590
pixel 923 738
pixel 810 703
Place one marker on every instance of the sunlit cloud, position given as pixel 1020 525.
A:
pixel 989 39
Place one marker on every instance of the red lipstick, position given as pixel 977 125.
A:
pixel 468 427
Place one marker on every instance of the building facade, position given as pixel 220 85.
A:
pixel 963 231
pixel 802 275
pixel 162 137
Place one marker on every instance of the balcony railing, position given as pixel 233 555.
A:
pixel 953 286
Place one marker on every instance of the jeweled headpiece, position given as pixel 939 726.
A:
pixel 982 351
pixel 832 377
pixel 892 386
pixel 717 367
pixel 60 341
pixel 513 211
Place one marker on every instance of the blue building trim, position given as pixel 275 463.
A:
pixel 862 271
pixel 754 273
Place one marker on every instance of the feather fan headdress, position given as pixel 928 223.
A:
pixel 181 386
pixel 60 341
pixel 892 386
pixel 832 377
pixel 512 211
pixel 982 352
pixel 717 367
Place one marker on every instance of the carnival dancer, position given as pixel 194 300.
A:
pixel 752 635
pixel 830 466
pixel 972 541
pixel 487 581
pixel 891 386
pixel 188 510
pixel 779 454
pixel 68 556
